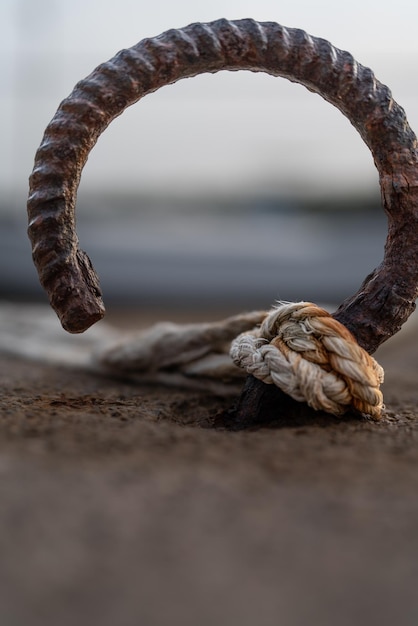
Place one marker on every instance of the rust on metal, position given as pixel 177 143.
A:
pixel 387 296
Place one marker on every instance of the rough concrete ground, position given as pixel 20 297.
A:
pixel 120 506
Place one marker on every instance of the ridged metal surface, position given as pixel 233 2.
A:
pixel 386 298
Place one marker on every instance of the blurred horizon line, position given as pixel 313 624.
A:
pixel 128 202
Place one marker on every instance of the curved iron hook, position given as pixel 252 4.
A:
pixel 387 296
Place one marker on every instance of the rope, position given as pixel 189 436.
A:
pixel 299 347
pixel 313 358
pixel 189 348
pixel 188 356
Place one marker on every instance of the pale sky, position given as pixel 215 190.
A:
pixel 227 133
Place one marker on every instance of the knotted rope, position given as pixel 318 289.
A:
pixel 297 346
pixel 313 358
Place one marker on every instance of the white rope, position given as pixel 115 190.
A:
pixel 186 355
pixel 313 358
pixel 298 347
pixel 191 356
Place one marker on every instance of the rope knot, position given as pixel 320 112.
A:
pixel 312 357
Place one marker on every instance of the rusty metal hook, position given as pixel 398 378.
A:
pixel 387 296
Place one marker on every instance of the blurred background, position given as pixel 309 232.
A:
pixel 222 191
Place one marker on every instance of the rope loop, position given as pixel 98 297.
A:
pixel 303 350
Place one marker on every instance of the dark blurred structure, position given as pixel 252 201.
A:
pixel 217 254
